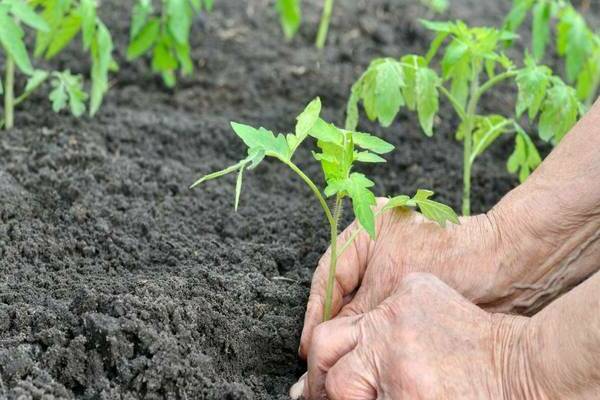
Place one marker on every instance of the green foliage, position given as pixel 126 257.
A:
pixel 290 15
pixel 68 91
pixel 575 41
pixel 66 19
pixel 55 24
pixel 165 34
pixel 471 63
pixel 339 152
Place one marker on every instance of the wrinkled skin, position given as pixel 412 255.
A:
pixel 370 271
pixel 425 341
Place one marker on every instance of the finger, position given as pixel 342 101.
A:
pixel 351 379
pixel 331 341
pixel 350 269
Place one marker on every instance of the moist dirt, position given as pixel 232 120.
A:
pixel 117 282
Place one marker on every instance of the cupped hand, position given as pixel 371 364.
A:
pixel 465 256
pixel 425 341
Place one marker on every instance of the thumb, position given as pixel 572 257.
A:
pixel 350 269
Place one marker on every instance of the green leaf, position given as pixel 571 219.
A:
pixel 262 139
pixel 398 202
pixel 589 76
pixel 182 51
pixel 326 132
pixel 218 174
pixel 69 27
pixel 336 158
pixel 368 157
pixel 163 59
pixel 517 15
pixel 574 41
pixel 290 15
pixel 352 107
pixel 36 80
pixel 141 11
pixel 11 38
pixel 438 26
pixel 487 130
pixel 438 6
pixel 68 88
pixel 26 14
pixel 427 98
pixel 371 143
pixel 388 91
pixel 180 19
pixel 238 186
pixel 532 82
pixel 433 210
pixel 559 112
pixel 542 12
pixel 525 157
pixel 357 187
pixel 87 10
pixel 307 119
pixel 144 40
pixel 101 49
pixel 410 64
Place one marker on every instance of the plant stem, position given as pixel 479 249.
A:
pixel 312 187
pixel 9 93
pixel 337 212
pixel 471 113
pixel 457 107
pixel 324 24
pixel 492 82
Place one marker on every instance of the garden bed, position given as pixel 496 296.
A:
pixel 116 281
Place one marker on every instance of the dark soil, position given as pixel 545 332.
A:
pixel 116 281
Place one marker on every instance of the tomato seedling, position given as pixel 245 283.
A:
pixel 470 55
pixel 55 26
pixel 340 151
pixel 166 34
pixel 575 41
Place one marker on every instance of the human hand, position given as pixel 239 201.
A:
pixel 465 256
pixel 425 341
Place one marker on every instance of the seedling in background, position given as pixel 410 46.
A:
pixel 575 41
pixel 470 55
pixel 340 151
pixel 290 14
pixel 166 34
pixel 55 27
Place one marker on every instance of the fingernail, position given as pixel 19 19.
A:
pixel 298 388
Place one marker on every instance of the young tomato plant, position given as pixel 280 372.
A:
pixel 166 34
pixel 55 27
pixel 470 67
pixel 575 41
pixel 339 152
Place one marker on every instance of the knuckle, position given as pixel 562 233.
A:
pixel 320 339
pixel 420 281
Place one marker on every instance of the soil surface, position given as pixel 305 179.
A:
pixel 117 282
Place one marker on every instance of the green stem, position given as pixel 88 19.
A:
pixel 324 24
pixel 457 107
pixel 492 82
pixel 332 260
pixel 471 113
pixel 311 185
pixel 9 93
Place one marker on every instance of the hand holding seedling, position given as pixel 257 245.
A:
pixel 340 151
pixel 421 339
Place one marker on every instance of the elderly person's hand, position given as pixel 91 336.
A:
pixel 425 341
pixel 537 243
